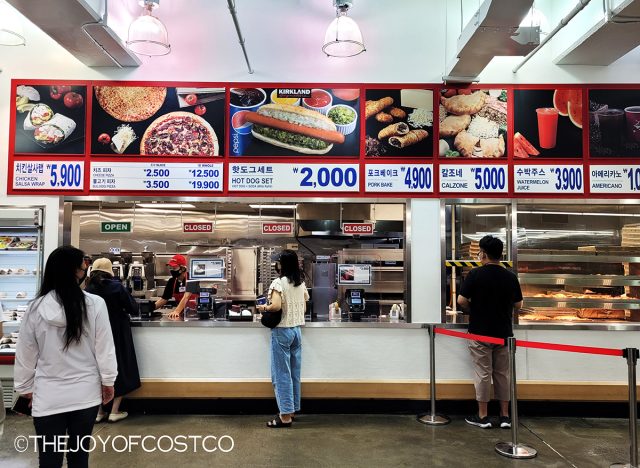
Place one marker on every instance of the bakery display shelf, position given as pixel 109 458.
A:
pixel 559 302
pixel 578 280
pixel 577 258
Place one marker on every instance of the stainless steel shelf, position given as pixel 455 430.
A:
pixel 542 257
pixel 582 303
pixel 578 280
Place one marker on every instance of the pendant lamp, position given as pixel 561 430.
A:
pixel 11 33
pixel 147 34
pixel 343 37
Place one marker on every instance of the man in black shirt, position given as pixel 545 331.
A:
pixel 489 294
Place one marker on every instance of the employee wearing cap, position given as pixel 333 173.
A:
pixel 176 288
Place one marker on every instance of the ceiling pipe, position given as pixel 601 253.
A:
pixel 234 15
pixel 563 22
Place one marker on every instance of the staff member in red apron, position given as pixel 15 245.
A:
pixel 176 287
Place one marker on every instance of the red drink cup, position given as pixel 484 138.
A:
pixel 547 127
pixel 632 115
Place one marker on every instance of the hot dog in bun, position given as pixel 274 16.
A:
pixel 295 128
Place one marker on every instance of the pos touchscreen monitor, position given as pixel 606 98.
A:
pixel 206 268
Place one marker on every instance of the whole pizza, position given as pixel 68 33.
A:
pixel 179 134
pixel 131 103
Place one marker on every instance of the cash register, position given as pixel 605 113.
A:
pixel 202 274
pixel 355 303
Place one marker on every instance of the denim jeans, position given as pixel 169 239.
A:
pixel 286 358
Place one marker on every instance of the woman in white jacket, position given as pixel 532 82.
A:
pixel 65 359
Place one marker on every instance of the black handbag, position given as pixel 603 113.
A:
pixel 271 319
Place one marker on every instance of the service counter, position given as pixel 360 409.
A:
pixel 215 359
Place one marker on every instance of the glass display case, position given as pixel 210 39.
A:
pixel 465 223
pixel 579 262
pixel 20 268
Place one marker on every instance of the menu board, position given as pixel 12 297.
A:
pixel 313 140
pixel 157 121
pixel 49 119
pixel 291 177
pixel 140 176
pixel 472 178
pixel 549 178
pixel 548 123
pixel 304 122
pixel 399 178
pixel 399 122
pixel 473 123
pixel 614 123
pixel 615 179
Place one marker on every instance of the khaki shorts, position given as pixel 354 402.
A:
pixel 490 361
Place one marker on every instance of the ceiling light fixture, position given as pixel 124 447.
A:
pixel 147 34
pixel 343 37
pixel 11 33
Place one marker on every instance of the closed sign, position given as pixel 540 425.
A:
pixel 197 227
pixel 277 228
pixel 357 228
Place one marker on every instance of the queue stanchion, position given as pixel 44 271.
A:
pixel 432 418
pixel 514 449
pixel 632 361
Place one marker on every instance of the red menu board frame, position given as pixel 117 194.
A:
pixel 361 160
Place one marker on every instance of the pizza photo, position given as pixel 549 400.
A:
pixel 131 103
pixel 179 134
pixel 157 121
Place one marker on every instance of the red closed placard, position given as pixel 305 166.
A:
pixel 197 227
pixel 358 228
pixel 277 228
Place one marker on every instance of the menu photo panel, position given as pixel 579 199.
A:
pixel 547 123
pixel 473 123
pixel 158 121
pixel 294 121
pixel 49 119
pixel 399 122
pixel 614 123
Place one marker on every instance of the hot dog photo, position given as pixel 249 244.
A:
pixel 49 119
pixel 294 121
pixel 399 122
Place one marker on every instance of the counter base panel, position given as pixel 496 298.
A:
pixel 385 390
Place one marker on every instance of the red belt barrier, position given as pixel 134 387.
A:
pixel 470 336
pixel 570 348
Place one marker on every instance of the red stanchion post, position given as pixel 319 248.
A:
pixel 432 418
pixel 514 449
pixel 632 361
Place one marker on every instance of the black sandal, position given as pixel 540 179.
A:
pixel 277 422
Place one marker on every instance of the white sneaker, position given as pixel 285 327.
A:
pixel 101 417
pixel 115 417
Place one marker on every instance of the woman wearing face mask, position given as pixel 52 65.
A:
pixel 65 359
pixel 176 287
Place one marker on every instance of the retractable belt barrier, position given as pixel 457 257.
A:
pixel 514 449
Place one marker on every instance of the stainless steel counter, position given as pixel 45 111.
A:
pixel 165 322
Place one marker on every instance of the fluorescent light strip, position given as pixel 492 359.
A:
pixel 573 213
pixel 274 207
pixel 162 206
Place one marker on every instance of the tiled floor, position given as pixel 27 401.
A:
pixel 340 441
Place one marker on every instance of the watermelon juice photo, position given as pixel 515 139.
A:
pixel 611 127
pixel 547 126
